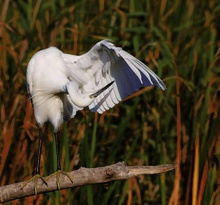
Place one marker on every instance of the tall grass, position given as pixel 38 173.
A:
pixel 178 40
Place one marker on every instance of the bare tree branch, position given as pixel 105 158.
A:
pixel 80 177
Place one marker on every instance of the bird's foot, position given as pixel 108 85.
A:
pixel 58 173
pixel 35 180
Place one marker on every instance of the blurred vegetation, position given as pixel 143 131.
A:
pixel 178 40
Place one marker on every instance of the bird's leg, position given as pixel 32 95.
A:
pixel 37 175
pixel 57 141
pixel 58 172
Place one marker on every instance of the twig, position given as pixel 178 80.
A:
pixel 80 177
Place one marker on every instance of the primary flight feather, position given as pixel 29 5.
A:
pixel 60 84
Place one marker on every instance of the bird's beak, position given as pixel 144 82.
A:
pixel 94 95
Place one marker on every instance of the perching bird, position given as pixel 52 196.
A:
pixel 60 84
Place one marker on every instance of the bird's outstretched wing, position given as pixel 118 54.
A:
pixel 103 64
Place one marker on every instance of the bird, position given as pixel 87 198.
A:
pixel 60 84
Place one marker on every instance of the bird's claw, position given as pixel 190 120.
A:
pixel 35 180
pixel 58 173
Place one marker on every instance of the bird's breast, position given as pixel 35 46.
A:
pixel 49 108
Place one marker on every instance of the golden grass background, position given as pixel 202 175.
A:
pixel 178 40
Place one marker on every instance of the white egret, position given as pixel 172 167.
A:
pixel 60 84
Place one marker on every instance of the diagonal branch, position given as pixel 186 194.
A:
pixel 80 177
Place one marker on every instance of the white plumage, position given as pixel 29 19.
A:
pixel 60 84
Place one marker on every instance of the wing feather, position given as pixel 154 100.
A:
pixel 105 63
